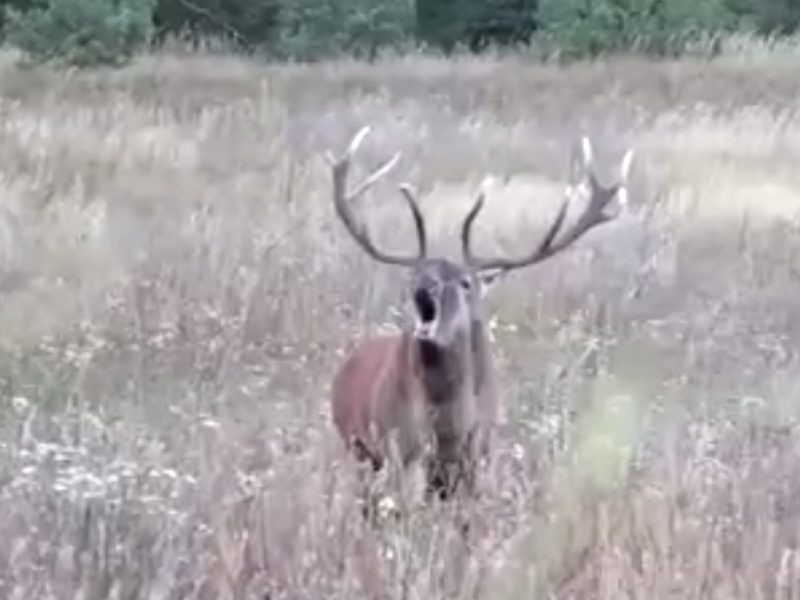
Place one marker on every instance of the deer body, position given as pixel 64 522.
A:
pixel 396 387
pixel 372 396
pixel 431 388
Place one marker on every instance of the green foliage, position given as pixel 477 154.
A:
pixel 81 32
pixel 87 32
pixel 576 28
pixel 477 23
pixel 248 23
pixel 313 29
pixel 440 23
pixel 500 22
pixel 20 5
pixel 776 16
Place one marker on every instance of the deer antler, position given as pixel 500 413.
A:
pixel 593 215
pixel 342 200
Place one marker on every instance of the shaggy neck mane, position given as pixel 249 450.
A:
pixel 446 373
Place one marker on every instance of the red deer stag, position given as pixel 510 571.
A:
pixel 435 382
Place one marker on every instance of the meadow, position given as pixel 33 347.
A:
pixel 176 294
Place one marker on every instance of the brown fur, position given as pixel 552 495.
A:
pixel 385 391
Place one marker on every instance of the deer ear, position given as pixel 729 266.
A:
pixel 488 279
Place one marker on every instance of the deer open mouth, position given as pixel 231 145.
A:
pixel 425 332
pixel 426 307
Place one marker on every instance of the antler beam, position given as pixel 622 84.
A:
pixel 593 215
pixel 343 199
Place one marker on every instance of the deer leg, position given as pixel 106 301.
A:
pixel 454 468
pixel 443 478
pixel 365 454
pixel 369 462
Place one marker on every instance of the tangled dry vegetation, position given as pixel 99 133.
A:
pixel 175 294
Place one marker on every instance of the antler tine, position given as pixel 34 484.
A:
pixel 342 200
pixel 466 227
pixel 419 222
pixel 624 171
pixel 593 215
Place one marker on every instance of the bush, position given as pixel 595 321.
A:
pixel 777 16
pixel 246 23
pixel 441 23
pixel 446 24
pixel 579 28
pixel 501 22
pixel 81 32
pixel 314 29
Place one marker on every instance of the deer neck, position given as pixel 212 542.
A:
pixel 450 380
pixel 444 373
pixel 461 368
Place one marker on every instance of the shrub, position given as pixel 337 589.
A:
pixel 777 16
pixel 447 24
pixel 578 28
pixel 313 29
pixel 246 23
pixel 81 32
pixel 501 22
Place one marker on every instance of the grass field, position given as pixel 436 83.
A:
pixel 175 295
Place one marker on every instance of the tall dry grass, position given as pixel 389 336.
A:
pixel 176 295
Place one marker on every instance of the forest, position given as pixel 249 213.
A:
pixel 85 32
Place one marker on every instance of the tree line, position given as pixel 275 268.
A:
pixel 84 32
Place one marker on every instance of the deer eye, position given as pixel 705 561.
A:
pixel 466 284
